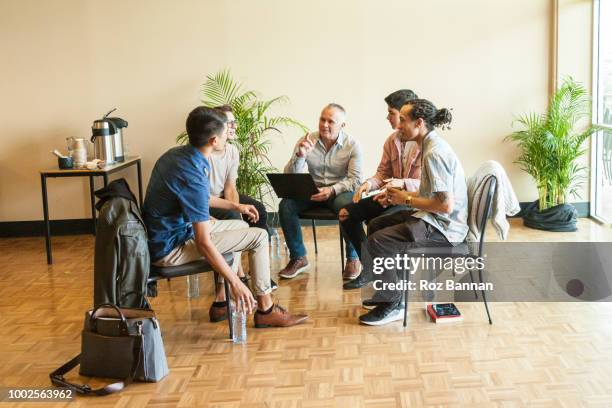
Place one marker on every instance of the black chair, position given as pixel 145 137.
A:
pixel 483 212
pixel 192 268
pixel 323 214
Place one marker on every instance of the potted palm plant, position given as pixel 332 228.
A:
pixel 550 146
pixel 255 124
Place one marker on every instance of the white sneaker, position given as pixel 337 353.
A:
pixel 383 314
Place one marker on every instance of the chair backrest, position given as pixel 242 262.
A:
pixel 483 208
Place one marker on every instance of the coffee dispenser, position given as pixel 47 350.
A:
pixel 107 138
pixel 118 138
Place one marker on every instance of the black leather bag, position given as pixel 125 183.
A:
pixel 120 343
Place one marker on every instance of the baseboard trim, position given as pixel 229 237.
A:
pixel 16 229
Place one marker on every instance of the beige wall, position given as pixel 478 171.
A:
pixel 67 62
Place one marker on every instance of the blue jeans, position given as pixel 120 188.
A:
pixel 289 210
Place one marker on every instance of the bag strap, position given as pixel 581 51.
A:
pixel 57 376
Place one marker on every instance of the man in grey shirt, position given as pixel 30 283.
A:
pixel 441 205
pixel 334 160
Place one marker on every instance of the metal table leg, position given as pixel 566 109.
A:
pixel 43 183
pixel 93 202
pixel 139 170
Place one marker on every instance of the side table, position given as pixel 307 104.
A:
pixel 104 173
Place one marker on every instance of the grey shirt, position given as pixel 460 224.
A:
pixel 441 171
pixel 340 167
pixel 223 168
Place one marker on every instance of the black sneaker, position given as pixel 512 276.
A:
pixel 273 284
pixel 370 303
pixel 357 283
pixel 383 313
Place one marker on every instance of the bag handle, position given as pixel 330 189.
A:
pixel 92 318
pixel 57 376
pixel 144 300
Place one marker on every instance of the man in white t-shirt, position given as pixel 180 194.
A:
pixel 223 174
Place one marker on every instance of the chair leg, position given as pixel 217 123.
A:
pixel 228 300
pixel 341 249
pixel 405 294
pixel 484 298
pixel 314 234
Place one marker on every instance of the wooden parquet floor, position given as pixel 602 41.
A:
pixel 540 355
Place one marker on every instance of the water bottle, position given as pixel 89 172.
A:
pixel 239 319
pixel 275 244
pixel 193 286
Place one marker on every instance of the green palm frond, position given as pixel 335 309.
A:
pixel 550 146
pixel 254 124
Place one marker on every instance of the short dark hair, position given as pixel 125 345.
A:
pixel 433 117
pixel 399 98
pixel 202 124
pixel 335 106
pixel 224 108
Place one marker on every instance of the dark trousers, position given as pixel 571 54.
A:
pixel 368 211
pixel 399 233
pixel 262 223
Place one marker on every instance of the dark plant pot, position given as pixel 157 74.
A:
pixel 560 218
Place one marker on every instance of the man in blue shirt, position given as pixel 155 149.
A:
pixel 176 211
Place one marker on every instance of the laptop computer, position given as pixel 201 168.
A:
pixel 293 185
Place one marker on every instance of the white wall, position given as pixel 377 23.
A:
pixel 66 62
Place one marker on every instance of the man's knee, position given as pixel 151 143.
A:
pixel 341 201
pixel 287 206
pixel 260 235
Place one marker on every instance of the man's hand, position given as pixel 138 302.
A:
pixel 243 297
pixel 250 212
pixel 364 188
pixel 305 147
pixel 396 196
pixel 381 198
pixel 395 183
pixel 324 194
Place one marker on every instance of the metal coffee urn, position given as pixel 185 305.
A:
pixel 102 136
pixel 119 145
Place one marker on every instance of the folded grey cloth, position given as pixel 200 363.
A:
pixel 504 200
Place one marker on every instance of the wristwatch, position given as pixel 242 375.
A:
pixel 408 201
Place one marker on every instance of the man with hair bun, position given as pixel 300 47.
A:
pixel 441 204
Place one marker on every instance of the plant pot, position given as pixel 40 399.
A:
pixel 560 218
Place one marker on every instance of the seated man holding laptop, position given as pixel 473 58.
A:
pixel 334 160
pixel 400 166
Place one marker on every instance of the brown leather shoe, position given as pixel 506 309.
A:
pixel 352 269
pixel 294 268
pixel 218 312
pixel 278 317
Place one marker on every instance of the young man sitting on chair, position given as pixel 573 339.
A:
pixel 333 159
pixel 176 212
pixel 441 205
pixel 224 162
pixel 400 166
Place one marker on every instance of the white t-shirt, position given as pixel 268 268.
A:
pixel 223 167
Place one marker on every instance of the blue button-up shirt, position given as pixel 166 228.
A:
pixel 177 196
